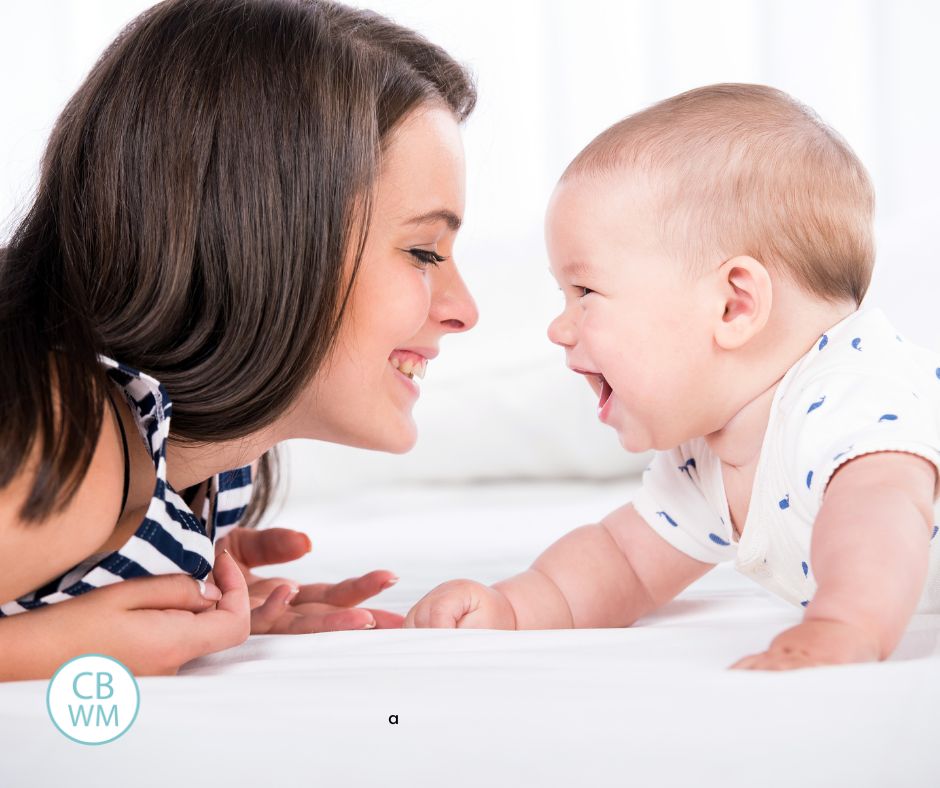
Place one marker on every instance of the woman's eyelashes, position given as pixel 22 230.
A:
pixel 583 291
pixel 426 257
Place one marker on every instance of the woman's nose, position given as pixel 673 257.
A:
pixel 453 306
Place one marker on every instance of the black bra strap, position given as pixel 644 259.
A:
pixel 126 456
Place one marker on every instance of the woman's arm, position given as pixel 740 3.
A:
pixel 153 625
pixel 32 554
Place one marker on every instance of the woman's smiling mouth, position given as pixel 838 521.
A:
pixel 410 363
pixel 408 367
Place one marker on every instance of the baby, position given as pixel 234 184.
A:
pixel 713 251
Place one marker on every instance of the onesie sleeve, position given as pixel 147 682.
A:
pixel 839 417
pixel 673 503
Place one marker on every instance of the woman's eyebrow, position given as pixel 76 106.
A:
pixel 442 214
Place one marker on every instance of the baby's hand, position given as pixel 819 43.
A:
pixel 812 643
pixel 462 604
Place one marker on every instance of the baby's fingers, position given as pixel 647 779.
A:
pixel 417 617
pixel 446 613
pixel 745 662
pixel 769 660
pixel 436 610
pixel 409 622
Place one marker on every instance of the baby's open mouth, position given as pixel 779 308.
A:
pixel 606 391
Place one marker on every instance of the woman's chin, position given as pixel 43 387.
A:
pixel 399 438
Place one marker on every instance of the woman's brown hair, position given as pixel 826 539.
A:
pixel 197 199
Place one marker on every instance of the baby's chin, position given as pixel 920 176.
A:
pixel 632 444
pixel 635 438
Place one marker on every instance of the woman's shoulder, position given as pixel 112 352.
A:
pixel 32 553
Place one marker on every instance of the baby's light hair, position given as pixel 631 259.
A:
pixel 746 169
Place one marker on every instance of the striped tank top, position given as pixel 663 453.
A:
pixel 171 537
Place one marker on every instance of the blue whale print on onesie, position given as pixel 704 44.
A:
pixel 818 403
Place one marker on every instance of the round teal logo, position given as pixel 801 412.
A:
pixel 93 699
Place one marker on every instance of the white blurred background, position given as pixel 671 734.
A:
pixel 499 404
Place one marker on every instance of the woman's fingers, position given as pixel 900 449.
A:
pixel 349 592
pixel 265 617
pixel 385 619
pixel 217 623
pixel 229 623
pixel 293 619
pixel 312 618
pixel 164 592
pixel 232 584
pixel 267 546
pixel 179 591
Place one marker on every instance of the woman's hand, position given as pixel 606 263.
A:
pixel 284 607
pixel 154 625
pixel 813 643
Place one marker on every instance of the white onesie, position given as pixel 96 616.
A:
pixel 861 388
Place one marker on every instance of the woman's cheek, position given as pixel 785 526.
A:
pixel 415 304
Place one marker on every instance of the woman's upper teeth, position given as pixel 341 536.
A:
pixel 409 366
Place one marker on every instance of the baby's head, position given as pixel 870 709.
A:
pixel 700 245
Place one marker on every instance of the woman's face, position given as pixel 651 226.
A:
pixel 407 295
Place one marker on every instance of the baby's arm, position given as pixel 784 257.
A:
pixel 607 574
pixel 869 554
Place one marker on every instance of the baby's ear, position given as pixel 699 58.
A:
pixel 746 293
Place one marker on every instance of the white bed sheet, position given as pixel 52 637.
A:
pixel 651 705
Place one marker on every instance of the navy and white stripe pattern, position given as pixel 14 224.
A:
pixel 171 538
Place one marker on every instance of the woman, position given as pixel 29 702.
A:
pixel 243 234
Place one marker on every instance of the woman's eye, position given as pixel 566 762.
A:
pixel 584 291
pixel 426 257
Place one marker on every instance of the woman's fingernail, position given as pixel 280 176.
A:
pixel 208 590
pixel 390 582
pixel 370 625
pixel 290 595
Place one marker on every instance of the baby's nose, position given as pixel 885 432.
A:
pixel 560 331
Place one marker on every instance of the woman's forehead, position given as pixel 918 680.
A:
pixel 422 179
